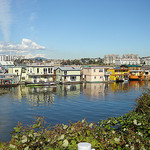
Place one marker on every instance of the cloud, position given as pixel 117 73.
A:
pixel 25 47
pixel 33 56
pixel 5 18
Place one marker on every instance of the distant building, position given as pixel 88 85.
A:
pixel 18 57
pixel 128 59
pixel 56 62
pixel 110 59
pixel 6 64
pixel 6 58
pixel 146 61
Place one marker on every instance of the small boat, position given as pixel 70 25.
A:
pixel 9 85
pixel 8 80
pixel 37 84
pixel 136 77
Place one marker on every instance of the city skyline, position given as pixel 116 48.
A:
pixel 74 29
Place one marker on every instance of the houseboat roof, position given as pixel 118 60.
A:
pixel 7 74
pixel 69 69
pixel 95 67
pixel 40 65
pixel 130 66
pixel 137 70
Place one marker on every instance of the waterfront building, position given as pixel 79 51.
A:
pixel 15 70
pixel 8 79
pixel 135 72
pixel 110 59
pixel 20 72
pixel 2 69
pixel 95 74
pixel 39 72
pixel 68 74
pixel 128 59
pixel 118 74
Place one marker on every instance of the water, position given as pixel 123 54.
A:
pixel 93 101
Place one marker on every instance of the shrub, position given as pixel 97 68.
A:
pixel 131 131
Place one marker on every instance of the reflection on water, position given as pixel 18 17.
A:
pixel 62 103
pixel 93 90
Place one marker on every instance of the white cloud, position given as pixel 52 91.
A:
pixel 33 56
pixel 25 47
pixel 5 18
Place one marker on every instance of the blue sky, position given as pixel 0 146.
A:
pixel 72 29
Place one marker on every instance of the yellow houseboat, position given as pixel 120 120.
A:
pixel 135 72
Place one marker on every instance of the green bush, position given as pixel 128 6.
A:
pixel 131 131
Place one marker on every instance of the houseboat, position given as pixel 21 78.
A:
pixel 136 75
pixel 40 74
pixel 135 72
pixel 95 74
pixel 8 80
pixel 118 74
pixel 67 75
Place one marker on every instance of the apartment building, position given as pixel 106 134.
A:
pixel 128 59
pixel 110 59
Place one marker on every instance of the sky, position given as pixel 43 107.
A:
pixel 74 29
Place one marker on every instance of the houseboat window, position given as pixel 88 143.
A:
pixel 30 70
pixel 49 70
pixel 73 78
pixel 94 70
pixel 101 77
pixel 100 70
pixel 37 70
pixel 95 77
pixel 16 70
pixel 65 72
pixel 146 73
pixel 23 71
pixel 45 70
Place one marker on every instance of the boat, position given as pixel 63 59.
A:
pixel 9 85
pixel 119 80
pixel 136 75
pixel 125 80
pixel 8 80
pixel 38 84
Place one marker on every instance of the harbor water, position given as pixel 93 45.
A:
pixel 61 103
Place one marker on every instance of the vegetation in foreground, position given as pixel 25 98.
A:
pixel 131 131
